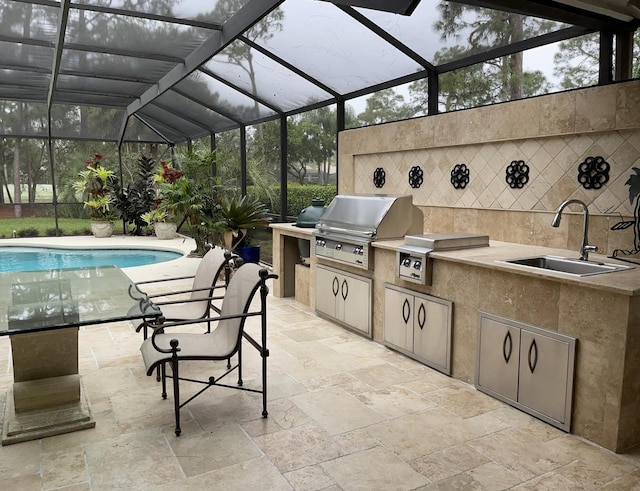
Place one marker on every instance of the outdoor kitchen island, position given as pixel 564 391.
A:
pixel 601 312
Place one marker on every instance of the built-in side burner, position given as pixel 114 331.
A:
pixel 412 259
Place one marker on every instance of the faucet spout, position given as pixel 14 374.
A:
pixel 585 248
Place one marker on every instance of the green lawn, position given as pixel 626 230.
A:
pixel 45 227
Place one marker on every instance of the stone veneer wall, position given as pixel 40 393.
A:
pixel 552 134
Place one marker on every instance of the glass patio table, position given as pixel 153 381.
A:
pixel 41 312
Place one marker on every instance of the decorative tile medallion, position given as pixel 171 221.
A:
pixel 379 177
pixel 416 177
pixel 593 173
pixel 460 176
pixel 517 174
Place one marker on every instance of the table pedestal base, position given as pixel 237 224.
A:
pixel 22 426
pixel 47 397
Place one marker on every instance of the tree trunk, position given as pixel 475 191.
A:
pixel 17 195
pixel 516 82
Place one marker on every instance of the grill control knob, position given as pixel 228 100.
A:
pixel 321 242
pixel 358 250
pixel 338 247
pixel 417 265
pixel 406 262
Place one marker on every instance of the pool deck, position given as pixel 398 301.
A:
pixel 345 413
pixel 178 267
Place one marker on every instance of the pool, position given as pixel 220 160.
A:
pixel 19 258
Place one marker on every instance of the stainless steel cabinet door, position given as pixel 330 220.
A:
pixel 398 319
pixel 345 297
pixel 498 358
pixel 355 301
pixel 432 332
pixel 544 371
pixel 327 290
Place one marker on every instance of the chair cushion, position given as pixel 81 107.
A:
pixel 219 344
pixel 185 311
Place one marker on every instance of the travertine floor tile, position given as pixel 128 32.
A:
pixel 395 401
pixel 336 411
pixel 419 434
pixel 309 478
pixel 64 468
pixel 299 447
pixel 255 474
pixel 522 452
pixel 211 450
pixel 464 400
pixel 376 468
pixel 22 459
pixel 142 457
pixel 447 463
pixel 383 375
pixel 31 482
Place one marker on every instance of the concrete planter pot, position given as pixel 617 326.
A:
pixel 165 231
pixel 102 229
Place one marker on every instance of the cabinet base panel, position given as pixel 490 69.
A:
pixel 413 356
pixel 368 335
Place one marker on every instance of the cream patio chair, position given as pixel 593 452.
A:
pixel 201 294
pixel 223 342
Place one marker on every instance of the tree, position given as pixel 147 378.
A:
pixel 576 62
pixel 241 54
pixel 498 80
pixel 325 137
pixel 385 105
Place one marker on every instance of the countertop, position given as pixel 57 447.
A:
pixel 621 282
pixel 293 230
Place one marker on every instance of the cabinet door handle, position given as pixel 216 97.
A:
pixel 406 311
pixel 533 356
pixel 345 289
pixel 335 286
pixel 422 316
pixel 507 347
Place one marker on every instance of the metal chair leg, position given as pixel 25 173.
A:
pixel 240 365
pixel 176 394
pixel 163 368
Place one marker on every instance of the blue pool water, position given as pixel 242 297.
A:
pixel 45 258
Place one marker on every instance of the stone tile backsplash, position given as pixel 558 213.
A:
pixel 551 134
pixel 553 173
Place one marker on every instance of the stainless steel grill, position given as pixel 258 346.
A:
pixel 350 223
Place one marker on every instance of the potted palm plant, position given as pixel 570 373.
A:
pixel 96 186
pixel 237 217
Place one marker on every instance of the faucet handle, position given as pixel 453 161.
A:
pixel 584 251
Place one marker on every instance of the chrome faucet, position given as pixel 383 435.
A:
pixel 585 249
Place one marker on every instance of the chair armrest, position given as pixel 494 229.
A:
pixel 162 280
pixel 179 292
pixel 189 300
pixel 163 326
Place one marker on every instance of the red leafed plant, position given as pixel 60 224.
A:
pixel 169 174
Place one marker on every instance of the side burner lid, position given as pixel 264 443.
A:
pixel 447 241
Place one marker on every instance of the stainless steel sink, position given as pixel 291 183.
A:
pixel 566 265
